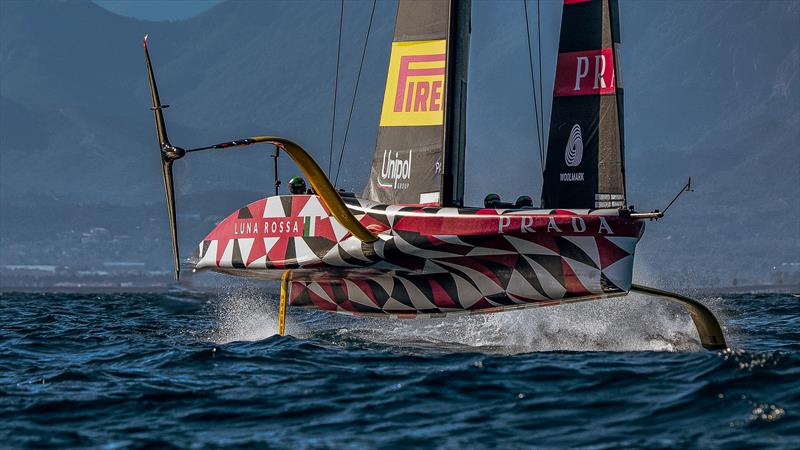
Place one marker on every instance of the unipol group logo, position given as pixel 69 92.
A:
pixel 415 84
pixel 574 152
pixel 395 170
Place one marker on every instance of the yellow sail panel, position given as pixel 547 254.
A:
pixel 415 84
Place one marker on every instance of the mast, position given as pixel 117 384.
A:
pixel 419 153
pixel 455 122
pixel 585 166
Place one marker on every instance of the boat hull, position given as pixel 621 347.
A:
pixel 428 260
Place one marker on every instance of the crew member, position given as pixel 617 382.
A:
pixel 491 200
pixel 297 186
pixel 524 201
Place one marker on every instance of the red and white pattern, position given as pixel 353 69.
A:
pixel 428 260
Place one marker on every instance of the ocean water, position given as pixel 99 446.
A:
pixel 206 370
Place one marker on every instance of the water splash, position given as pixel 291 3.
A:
pixel 629 323
pixel 244 313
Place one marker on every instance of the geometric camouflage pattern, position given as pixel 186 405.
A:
pixel 429 261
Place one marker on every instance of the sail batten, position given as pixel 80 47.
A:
pixel 585 154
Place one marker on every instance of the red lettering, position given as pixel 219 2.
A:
pixel 436 95
pixel 410 96
pixel 407 71
pixel 421 101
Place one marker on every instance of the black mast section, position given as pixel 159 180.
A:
pixel 585 154
pixel 455 121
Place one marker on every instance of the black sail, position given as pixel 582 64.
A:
pixel 585 153
pixel 419 154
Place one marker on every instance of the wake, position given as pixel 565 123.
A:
pixel 622 324
pixel 630 323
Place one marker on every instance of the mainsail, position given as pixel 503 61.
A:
pixel 585 153
pixel 419 154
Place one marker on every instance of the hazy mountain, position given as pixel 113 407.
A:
pixel 237 70
pixel 711 91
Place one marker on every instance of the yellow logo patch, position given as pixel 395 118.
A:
pixel 415 84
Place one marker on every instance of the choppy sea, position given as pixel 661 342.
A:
pixel 207 370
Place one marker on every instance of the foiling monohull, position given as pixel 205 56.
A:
pixel 408 247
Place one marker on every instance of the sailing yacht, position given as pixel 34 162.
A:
pixel 408 247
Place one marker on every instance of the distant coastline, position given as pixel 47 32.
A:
pixel 162 287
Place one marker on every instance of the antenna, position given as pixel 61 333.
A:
pixel 686 188
pixel 275 155
pixel 656 214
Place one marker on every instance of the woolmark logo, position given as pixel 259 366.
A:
pixel 415 84
pixel 395 172
pixel 574 151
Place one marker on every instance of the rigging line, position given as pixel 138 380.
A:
pixel 336 88
pixel 533 86
pixel 355 93
pixel 541 81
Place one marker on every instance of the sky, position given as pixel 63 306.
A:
pixel 157 9
pixel 711 92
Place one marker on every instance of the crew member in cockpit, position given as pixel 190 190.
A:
pixel 524 201
pixel 491 200
pixel 297 186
